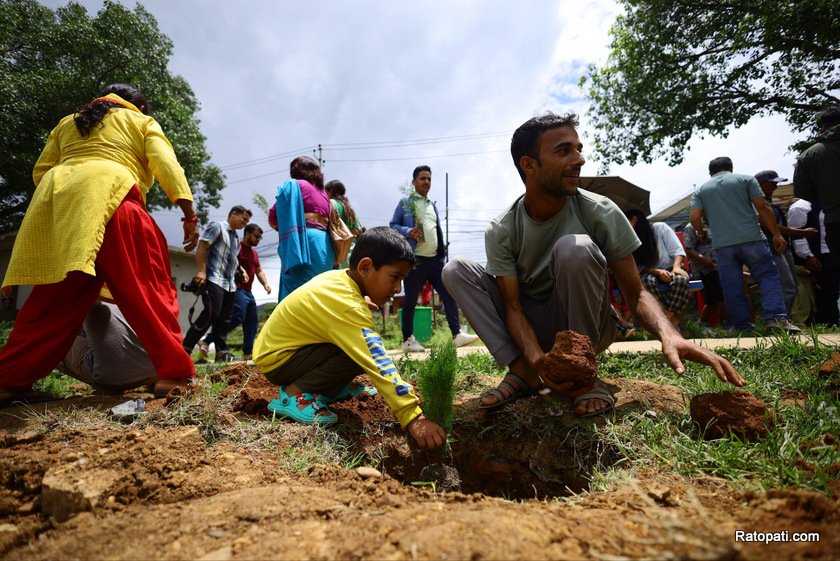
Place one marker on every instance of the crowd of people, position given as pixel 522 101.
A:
pixel 104 308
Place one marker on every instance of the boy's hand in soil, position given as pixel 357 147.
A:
pixel 428 434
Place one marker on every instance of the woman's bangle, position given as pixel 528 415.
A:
pixel 192 219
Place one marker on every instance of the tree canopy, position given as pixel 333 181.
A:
pixel 53 62
pixel 679 68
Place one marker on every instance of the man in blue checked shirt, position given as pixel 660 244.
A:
pixel 217 259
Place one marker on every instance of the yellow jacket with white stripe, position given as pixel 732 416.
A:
pixel 330 308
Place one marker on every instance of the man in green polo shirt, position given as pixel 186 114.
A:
pixel 416 218
pixel 549 258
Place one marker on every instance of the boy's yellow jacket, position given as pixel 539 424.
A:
pixel 330 309
pixel 80 182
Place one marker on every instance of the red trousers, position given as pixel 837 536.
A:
pixel 134 261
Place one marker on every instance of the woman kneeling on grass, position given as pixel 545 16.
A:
pixel 86 226
pixel 321 336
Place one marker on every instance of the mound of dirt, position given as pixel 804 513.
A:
pixel 363 410
pixel 830 371
pixel 736 411
pixel 251 390
pixel 571 359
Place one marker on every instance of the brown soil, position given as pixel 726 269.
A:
pixel 734 411
pixel 571 359
pixel 165 493
pixel 830 370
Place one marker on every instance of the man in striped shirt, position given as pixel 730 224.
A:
pixel 217 259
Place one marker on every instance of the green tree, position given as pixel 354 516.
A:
pixel 53 62
pixel 683 67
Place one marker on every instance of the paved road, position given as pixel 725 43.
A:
pixel 830 339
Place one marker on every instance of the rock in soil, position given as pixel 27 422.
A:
pixel 571 359
pixel 366 472
pixel 738 411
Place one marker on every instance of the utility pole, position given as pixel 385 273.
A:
pixel 319 155
pixel 446 217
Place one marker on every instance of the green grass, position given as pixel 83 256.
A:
pixel 61 385
pixel 791 454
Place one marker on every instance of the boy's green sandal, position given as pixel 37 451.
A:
pixel 315 410
pixel 350 390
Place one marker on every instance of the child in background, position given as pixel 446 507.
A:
pixel 322 336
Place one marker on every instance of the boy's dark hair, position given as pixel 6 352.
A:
pixel 384 246
pixel 239 209
pixel 250 228
pixel 526 139
pixel 418 169
pixel 724 163
pixel 828 117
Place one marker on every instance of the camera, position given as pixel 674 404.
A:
pixel 194 287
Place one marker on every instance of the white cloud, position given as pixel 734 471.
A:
pixel 277 76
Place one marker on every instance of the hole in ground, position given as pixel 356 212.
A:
pixel 503 458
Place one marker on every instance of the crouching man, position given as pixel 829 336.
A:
pixel 549 257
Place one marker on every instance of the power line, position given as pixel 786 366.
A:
pixel 366 146
pixel 418 157
pixel 265 159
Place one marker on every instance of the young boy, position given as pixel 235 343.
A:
pixel 322 336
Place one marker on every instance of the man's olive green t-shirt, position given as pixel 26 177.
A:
pixel 518 245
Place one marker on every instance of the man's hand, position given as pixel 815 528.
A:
pixel 267 288
pixel 416 233
pixel 675 348
pixel 779 244
pixel 679 271
pixel 190 236
pixel 662 274
pixel 709 263
pixel 200 278
pixel 808 232
pixel 813 264
pixel 428 434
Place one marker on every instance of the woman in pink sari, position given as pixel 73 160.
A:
pixel 301 216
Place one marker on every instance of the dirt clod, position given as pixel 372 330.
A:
pixel 571 359
pixel 445 478
pixel 736 411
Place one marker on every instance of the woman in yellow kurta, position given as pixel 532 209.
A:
pixel 87 225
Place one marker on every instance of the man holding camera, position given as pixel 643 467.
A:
pixel 215 281
pixel 244 305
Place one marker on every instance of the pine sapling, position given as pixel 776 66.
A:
pixel 436 378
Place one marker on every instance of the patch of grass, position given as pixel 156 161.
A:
pixel 793 454
pixel 318 445
pixel 68 418
pixel 5 329
pixel 61 385
pixel 436 379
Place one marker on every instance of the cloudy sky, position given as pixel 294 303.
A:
pixel 385 86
